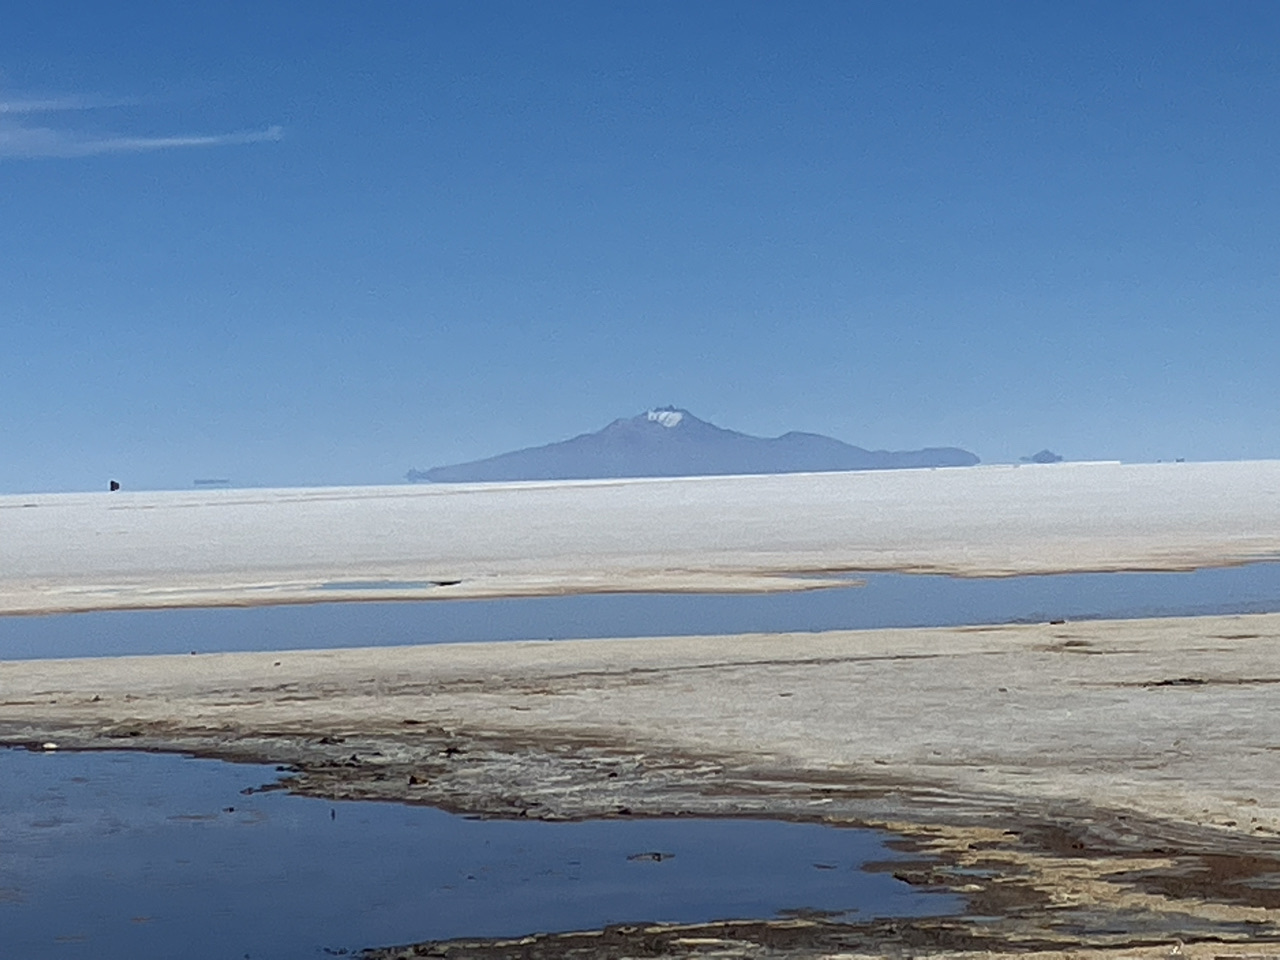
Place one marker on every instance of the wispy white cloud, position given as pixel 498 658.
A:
pixel 60 104
pixel 23 138
pixel 31 142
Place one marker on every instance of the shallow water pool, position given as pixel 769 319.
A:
pixel 118 856
pixel 887 600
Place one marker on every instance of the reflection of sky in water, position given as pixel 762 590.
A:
pixel 117 855
pixel 888 600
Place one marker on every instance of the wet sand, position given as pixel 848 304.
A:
pixel 1086 786
pixel 72 552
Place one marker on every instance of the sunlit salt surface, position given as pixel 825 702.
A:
pixel 887 600
pixel 126 855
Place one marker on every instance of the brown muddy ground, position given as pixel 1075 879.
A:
pixel 1107 786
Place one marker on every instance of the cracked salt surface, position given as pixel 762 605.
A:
pixel 126 855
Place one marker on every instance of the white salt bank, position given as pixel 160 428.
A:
pixel 62 552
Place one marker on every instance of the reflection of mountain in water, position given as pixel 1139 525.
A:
pixel 674 443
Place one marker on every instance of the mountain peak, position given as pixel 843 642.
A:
pixel 666 416
pixel 672 442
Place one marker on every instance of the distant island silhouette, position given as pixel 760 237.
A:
pixel 1044 456
pixel 670 442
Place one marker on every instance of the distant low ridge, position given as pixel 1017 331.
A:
pixel 669 442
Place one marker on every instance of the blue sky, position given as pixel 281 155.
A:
pixel 295 243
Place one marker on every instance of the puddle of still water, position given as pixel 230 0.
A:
pixel 887 600
pixel 118 856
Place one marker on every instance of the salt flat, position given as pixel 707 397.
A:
pixel 1170 718
pixel 1087 784
pixel 62 552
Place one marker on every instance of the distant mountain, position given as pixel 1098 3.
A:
pixel 1044 456
pixel 668 442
